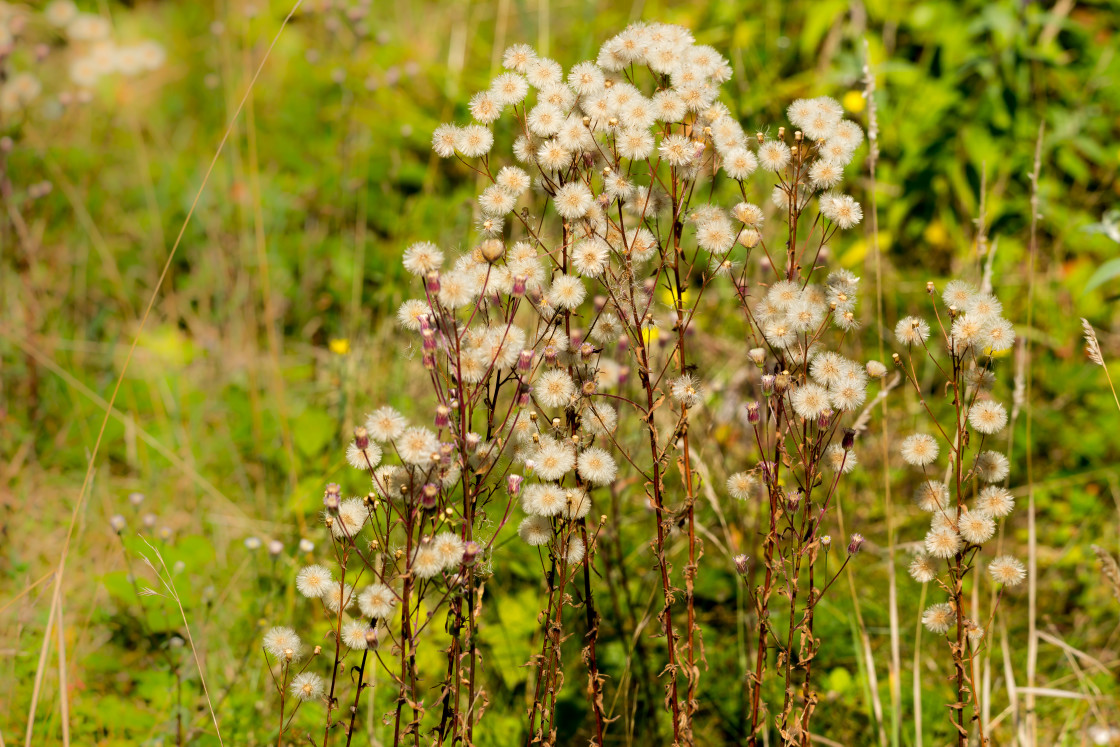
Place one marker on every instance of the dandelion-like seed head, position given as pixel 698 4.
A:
pixel 307 686
pixel 987 416
pixel 1007 570
pixel 943 542
pixel 919 449
pixel 922 569
pixel 686 390
pixel 535 531
pixel 938 618
pixel 995 501
pixel 283 643
pixel 313 581
pixel 596 466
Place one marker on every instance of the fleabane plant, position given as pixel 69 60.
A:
pixel 564 358
pixel 968 498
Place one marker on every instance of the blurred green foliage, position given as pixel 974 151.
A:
pixel 233 411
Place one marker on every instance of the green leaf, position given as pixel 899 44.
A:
pixel 312 431
pixel 1108 271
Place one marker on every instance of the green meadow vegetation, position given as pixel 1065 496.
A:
pixel 200 273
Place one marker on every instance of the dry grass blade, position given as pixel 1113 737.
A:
pixel 1092 346
pixel 1110 569
pixel 82 493
pixel 169 584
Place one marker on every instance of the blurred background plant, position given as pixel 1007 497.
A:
pixel 275 322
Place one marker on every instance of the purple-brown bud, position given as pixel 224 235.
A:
pixel 849 439
pixel 525 362
pixel 855 544
pixel 432 282
pixel 519 282
pixel 332 497
pixel 742 564
pixel 443 416
pixel 429 496
pixel 753 414
pixel 470 552
pixel 361 437
pixel 513 484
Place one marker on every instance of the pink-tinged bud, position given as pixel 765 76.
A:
pixel 768 470
pixel 767 384
pixel 429 362
pixel 600 303
pixel 793 500
pixel 623 344
pixel 623 374
pixel 275 547
pixel 361 437
pixel 586 350
pixel 849 439
pixel 513 484
pixel 824 420
pixel 551 355
pixel 577 338
pixel 524 395
pixel 432 283
pixel 518 289
pixel 443 416
pixel 525 362
pixel 753 413
pixel 332 497
pixel 446 451
pixel 470 552
pixel 428 336
pixel 429 496
pixel 742 564
pixel 473 440
pixel 855 544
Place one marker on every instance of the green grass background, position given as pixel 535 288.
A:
pixel 235 408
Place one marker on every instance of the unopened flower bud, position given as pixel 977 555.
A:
pixel 742 564
pixel 757 355
pixel 428 340
pixel 333 496
pixel 826 541
pixel 135 499
pixel 849 439
pixel 429 361
pixel 855 544
pixel 371 638
pixel 432 282
pixel 519 282
pixel 551 355
pixel 492 250
pixel 429 496
pixel 117 522
pixel 767 384
pixel 525 362
pixel 586 350
pixel 782 382
pixel 361 437
pixel 473 440
pixel 275 547
pixel 753 413
pixel 793 500
pixel 443 416
pixel 470 552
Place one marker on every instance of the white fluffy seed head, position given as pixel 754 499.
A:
pixel 919 449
